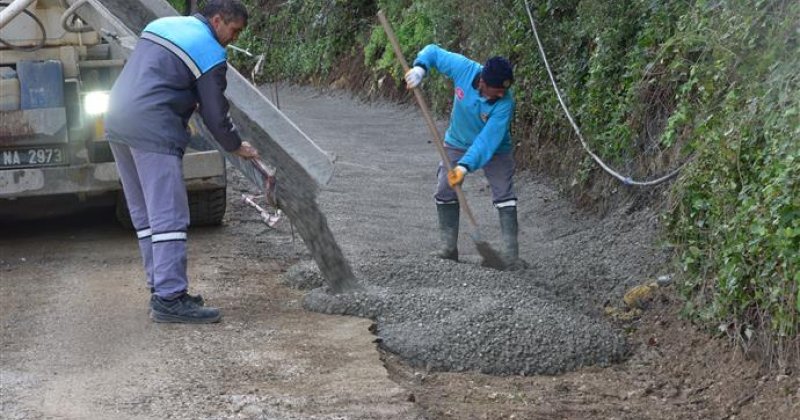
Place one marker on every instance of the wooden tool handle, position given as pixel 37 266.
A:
pixel 423 105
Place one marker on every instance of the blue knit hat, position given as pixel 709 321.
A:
pixel 497 72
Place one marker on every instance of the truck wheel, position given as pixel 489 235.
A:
pixel 122 213
pixel 206 208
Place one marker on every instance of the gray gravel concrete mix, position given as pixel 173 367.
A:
pixel 450 316
pixel 442 315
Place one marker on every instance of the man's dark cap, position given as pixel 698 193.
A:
pixel 498 72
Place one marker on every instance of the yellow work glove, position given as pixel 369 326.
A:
pixel 455 176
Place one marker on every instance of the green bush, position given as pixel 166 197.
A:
pixel 736 219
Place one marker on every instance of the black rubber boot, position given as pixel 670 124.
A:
pixel 182 310
pixel 448 230
pixel 509 230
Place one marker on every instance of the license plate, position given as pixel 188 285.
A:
pixel 32 156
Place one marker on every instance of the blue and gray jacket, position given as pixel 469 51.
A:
pixel 477 125
pixel 177 65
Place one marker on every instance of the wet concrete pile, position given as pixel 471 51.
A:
pixel 448 316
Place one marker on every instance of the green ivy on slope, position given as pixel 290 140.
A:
pixel 737 209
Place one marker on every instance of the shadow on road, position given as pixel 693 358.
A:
pixel 84 221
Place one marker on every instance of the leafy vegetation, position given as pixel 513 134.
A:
pixel 652 84
pixel 737 209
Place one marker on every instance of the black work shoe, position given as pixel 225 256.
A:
pixel 182 310
pixel 198 299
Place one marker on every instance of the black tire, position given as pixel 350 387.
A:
pixel 122 213
pixel 206 208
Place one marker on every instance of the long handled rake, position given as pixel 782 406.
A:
pixel 490 257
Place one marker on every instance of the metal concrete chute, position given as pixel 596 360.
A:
pixel 269 129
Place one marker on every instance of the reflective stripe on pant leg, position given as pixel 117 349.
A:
pixel 169 237
pixel 444 194
pixel 161 176
pixel 134 197
pixel 500 174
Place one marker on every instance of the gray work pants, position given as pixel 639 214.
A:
pixel 159 207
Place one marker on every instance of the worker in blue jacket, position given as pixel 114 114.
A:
pixel 478 138
pixel 178 66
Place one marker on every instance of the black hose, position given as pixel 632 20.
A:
pixel 41 27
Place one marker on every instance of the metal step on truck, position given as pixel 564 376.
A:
pixel 56 70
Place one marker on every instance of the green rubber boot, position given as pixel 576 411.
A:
pixel 509 229
pixel 448 231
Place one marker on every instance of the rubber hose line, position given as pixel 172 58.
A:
pixel 624 179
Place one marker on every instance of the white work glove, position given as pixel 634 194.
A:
pixel 414 77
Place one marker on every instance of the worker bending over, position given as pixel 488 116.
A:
pixel 477 138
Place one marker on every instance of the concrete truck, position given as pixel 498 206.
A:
pixel 55 74
pixel 59 58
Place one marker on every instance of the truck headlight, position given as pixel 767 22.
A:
pixel 95 103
